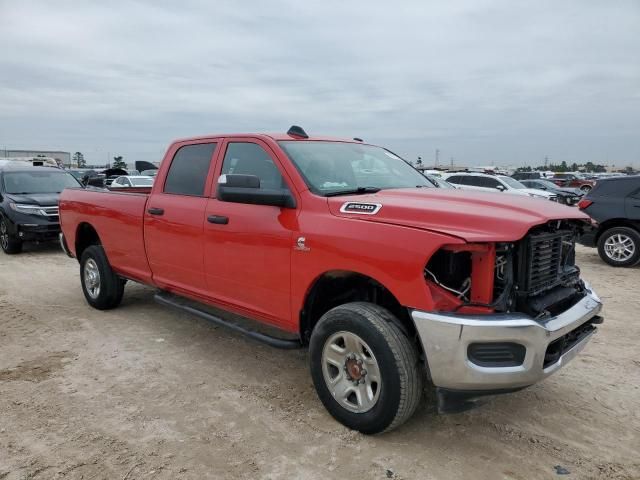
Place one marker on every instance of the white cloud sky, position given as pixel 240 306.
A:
pixel 489 81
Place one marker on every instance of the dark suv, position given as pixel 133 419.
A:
pixel 614 205
pixel 526 176
pixel 29 204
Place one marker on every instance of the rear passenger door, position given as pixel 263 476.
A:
pixel 173 222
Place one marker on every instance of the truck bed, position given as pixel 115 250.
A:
pixel 117 217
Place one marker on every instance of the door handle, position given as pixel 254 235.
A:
pixel 218 219
pixel 155 211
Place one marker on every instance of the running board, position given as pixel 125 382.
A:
pixel 174 301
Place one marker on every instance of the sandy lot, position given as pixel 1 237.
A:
pixel 145 392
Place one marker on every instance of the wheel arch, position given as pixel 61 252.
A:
pixel 337 287
pixel 616 222
pixel 86 235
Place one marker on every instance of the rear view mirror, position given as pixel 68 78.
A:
pixel 500 188
pixel 246 189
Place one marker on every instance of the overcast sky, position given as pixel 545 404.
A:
pixel 484 81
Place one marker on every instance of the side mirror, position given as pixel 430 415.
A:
pixel 246 189
pixel 500 188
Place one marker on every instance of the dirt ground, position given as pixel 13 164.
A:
pixel 146 392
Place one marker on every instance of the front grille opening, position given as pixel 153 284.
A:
pixel 502 354
pixel 562 345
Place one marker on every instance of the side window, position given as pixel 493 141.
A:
pixel 189 168
pixel 490 182
pixel 475 181
pixel 244 158
pixel 457 179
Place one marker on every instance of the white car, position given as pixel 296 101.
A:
pixel 128 181
pixel 492 183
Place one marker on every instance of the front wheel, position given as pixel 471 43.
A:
pixel 9 244
pixel 620 246
pixel 102 288
pixel 364 368
pixel 585 189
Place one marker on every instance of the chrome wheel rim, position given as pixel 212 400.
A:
pixel 351 372
pixel 4 235
pixel 619 247
pixel 92 278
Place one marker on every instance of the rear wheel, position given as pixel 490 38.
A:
pixel 585 189
pixel 9 244
pixel 102 288
pixel 365 370
pixel 620 246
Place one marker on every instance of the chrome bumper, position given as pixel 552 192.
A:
pixel 446 338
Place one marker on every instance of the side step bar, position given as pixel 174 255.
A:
pixel 170 300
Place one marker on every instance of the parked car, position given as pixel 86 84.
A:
pixel 574 181
pixel 129 181
pixel 150 173
pixel 568 196
pixel 614 205
pixel 439 181
pixel 486 182
pixel 332 243
pixel 29 204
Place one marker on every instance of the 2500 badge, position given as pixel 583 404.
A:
pixel 361 208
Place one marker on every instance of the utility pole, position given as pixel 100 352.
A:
pixel 546 162
pixel 451 162
pixel 437 157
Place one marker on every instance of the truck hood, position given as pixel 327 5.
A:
pixel 41 199
pixel 472 216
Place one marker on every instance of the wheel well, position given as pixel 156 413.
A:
pixel 339 287
pixel 86 236
pixel 616 222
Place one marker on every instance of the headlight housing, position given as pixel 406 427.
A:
pixel 28 209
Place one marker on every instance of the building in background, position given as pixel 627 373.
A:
pixel 63 158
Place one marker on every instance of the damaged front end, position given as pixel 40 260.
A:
pixel 536 275
pixel 505 315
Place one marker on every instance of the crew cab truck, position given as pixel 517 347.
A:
pixel 347 248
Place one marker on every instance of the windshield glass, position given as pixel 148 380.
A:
pixel 439 182
pixel 330 168
pixel 142 182
pixel 512 182
pixel 42 181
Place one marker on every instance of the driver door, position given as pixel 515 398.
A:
pixel 247 248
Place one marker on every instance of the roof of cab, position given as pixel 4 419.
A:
pixel 274 136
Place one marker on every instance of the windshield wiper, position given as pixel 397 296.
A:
pixel 354 191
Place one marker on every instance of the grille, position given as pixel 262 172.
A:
pixel 544 255
pixel 50 211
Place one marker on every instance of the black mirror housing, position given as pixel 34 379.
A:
pixel 246 189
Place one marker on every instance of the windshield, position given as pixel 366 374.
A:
pixel 512 182
pixel 439 182
pixel 141 182
pixel 38 182
pixel 548 184
pixel 330 168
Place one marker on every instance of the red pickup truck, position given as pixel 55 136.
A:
pixel 343 247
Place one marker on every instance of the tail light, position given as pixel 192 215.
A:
pixel 584 203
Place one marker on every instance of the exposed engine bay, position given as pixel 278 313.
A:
pixel 536 275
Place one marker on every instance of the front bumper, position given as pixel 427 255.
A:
pixel 446 339
pixel 39 232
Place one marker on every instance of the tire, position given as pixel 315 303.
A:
pixel 585 188
pixel 95 271
pixel 365 336
pixel 619 246
pixel 9 244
